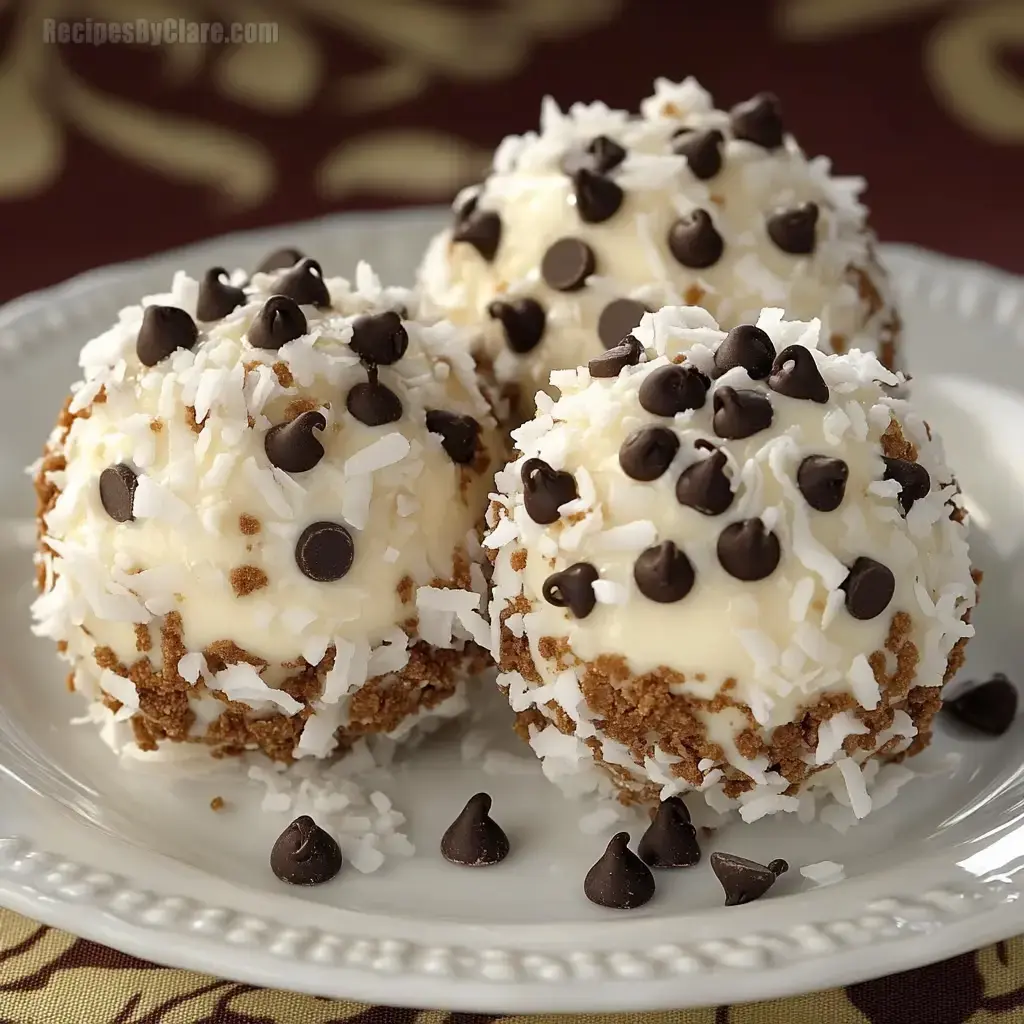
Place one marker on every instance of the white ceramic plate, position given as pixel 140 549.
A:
pixel 136 859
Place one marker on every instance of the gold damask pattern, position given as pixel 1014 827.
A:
pixel 50 977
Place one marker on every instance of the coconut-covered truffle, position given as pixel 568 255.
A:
pixel 601 215
pixel 259 511
pixel 736 565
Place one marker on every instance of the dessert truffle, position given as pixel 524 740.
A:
pixel 259 516
pixel 737 566
pixel 583 226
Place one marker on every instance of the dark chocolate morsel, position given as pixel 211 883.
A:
pixel 705 487
pixel 117 492
pixel 663 573
pixel 279 259
pixel 612 362
pixel 304 854
pixel 740 413
pixel 747 346
pixel 744 880
pixel 474 839
pixel 795 231
pixel 217 295
pixel 796 375
pixel 694 241
pixel 670 840
pixel 620 879
pixel 869 588
pixel 460 434
pixel 598 198
pixel 305 284
pixel 600 155
pixel 618 319
pixel 164 330
pixel 545 490
pixel 748 551
pixel 567 264
pixel 648 452
pixel 324 551
pixel 379 338
pixel 673 388
pixel 703 151
pixel 572 588
pixel 989 707
pixel 374 403
pixel 911 476
pixel 758 120
pixel 293 446
pixel 278 322
pixel 480 229
pixel 524 321
pixel 822 482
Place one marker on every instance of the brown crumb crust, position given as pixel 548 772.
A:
pixel 249 525
pixel 245 579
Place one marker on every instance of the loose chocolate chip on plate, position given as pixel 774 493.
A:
pixel 117 492
pixel 279 259
pixel 796 375
pixel 673 388
pixel 474 839
pixel 524 321
pixel 612 362
pixel 600 155
pixel 663 573
pixel 758 120
pixel 374 403
pixel 293 446
pixel 278 322
pixel 480 229
pixel 379 338
pixel 740 413
pixel 620 879
pixel 694 241
pixel 324 551
pixel 748 551
pixel 869 588
pixel 217 295
pixel 747 346
pixel 598 198
pixel 794 231
pixel 989 707
pixel 704 486
pixel 572 588
pixel 744 880
pixel 545 490
pixel 567 264
pixel 703 152
pixel 822 482
pixel 305 284
pixel 670 840
pixel 617 319
pixel 459 434
pixel 304 854
pixel 164 330
pixel 648 452
pixel 912 477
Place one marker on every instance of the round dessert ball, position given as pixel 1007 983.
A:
pixel 259 513
pixel 602 215
pixel 728 563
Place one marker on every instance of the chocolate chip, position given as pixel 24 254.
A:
pixel 670 840
pixel 598 198
pixel 673 388
pixel 703 152
pixel 705 487
pixel 305 854
pixel 758 120
pixel 612 362
pixel 474 839
pixel 740 413
pixel 912 477
pixel 278 322
pixel 480 229
pixel 217 296
pixel 748 551
pixel 567 264
pixel 747 346
pixel 524 321
pixel 545 490
pixel 663 573
pixel 459 434
pixel 744 880
pixel 324 551
pixel 989 707
pixel 292 446
pixel 117 492
pixel 796 375
pixel 379 338
pixel 572 588
pixel 305 284
pixel 279 259
pixel 617 319
pixel 648 452
pixel 374 403
pixel 869 588
pixel 694 241
pixel 620 879
pixel 164 330
pixel 794 231
pixel 822 482
pixel 600 155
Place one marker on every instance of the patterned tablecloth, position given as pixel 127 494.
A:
pixel 109 152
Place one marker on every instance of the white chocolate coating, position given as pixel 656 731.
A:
pixel 841 282
pixel 411 511
pixel 777 646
